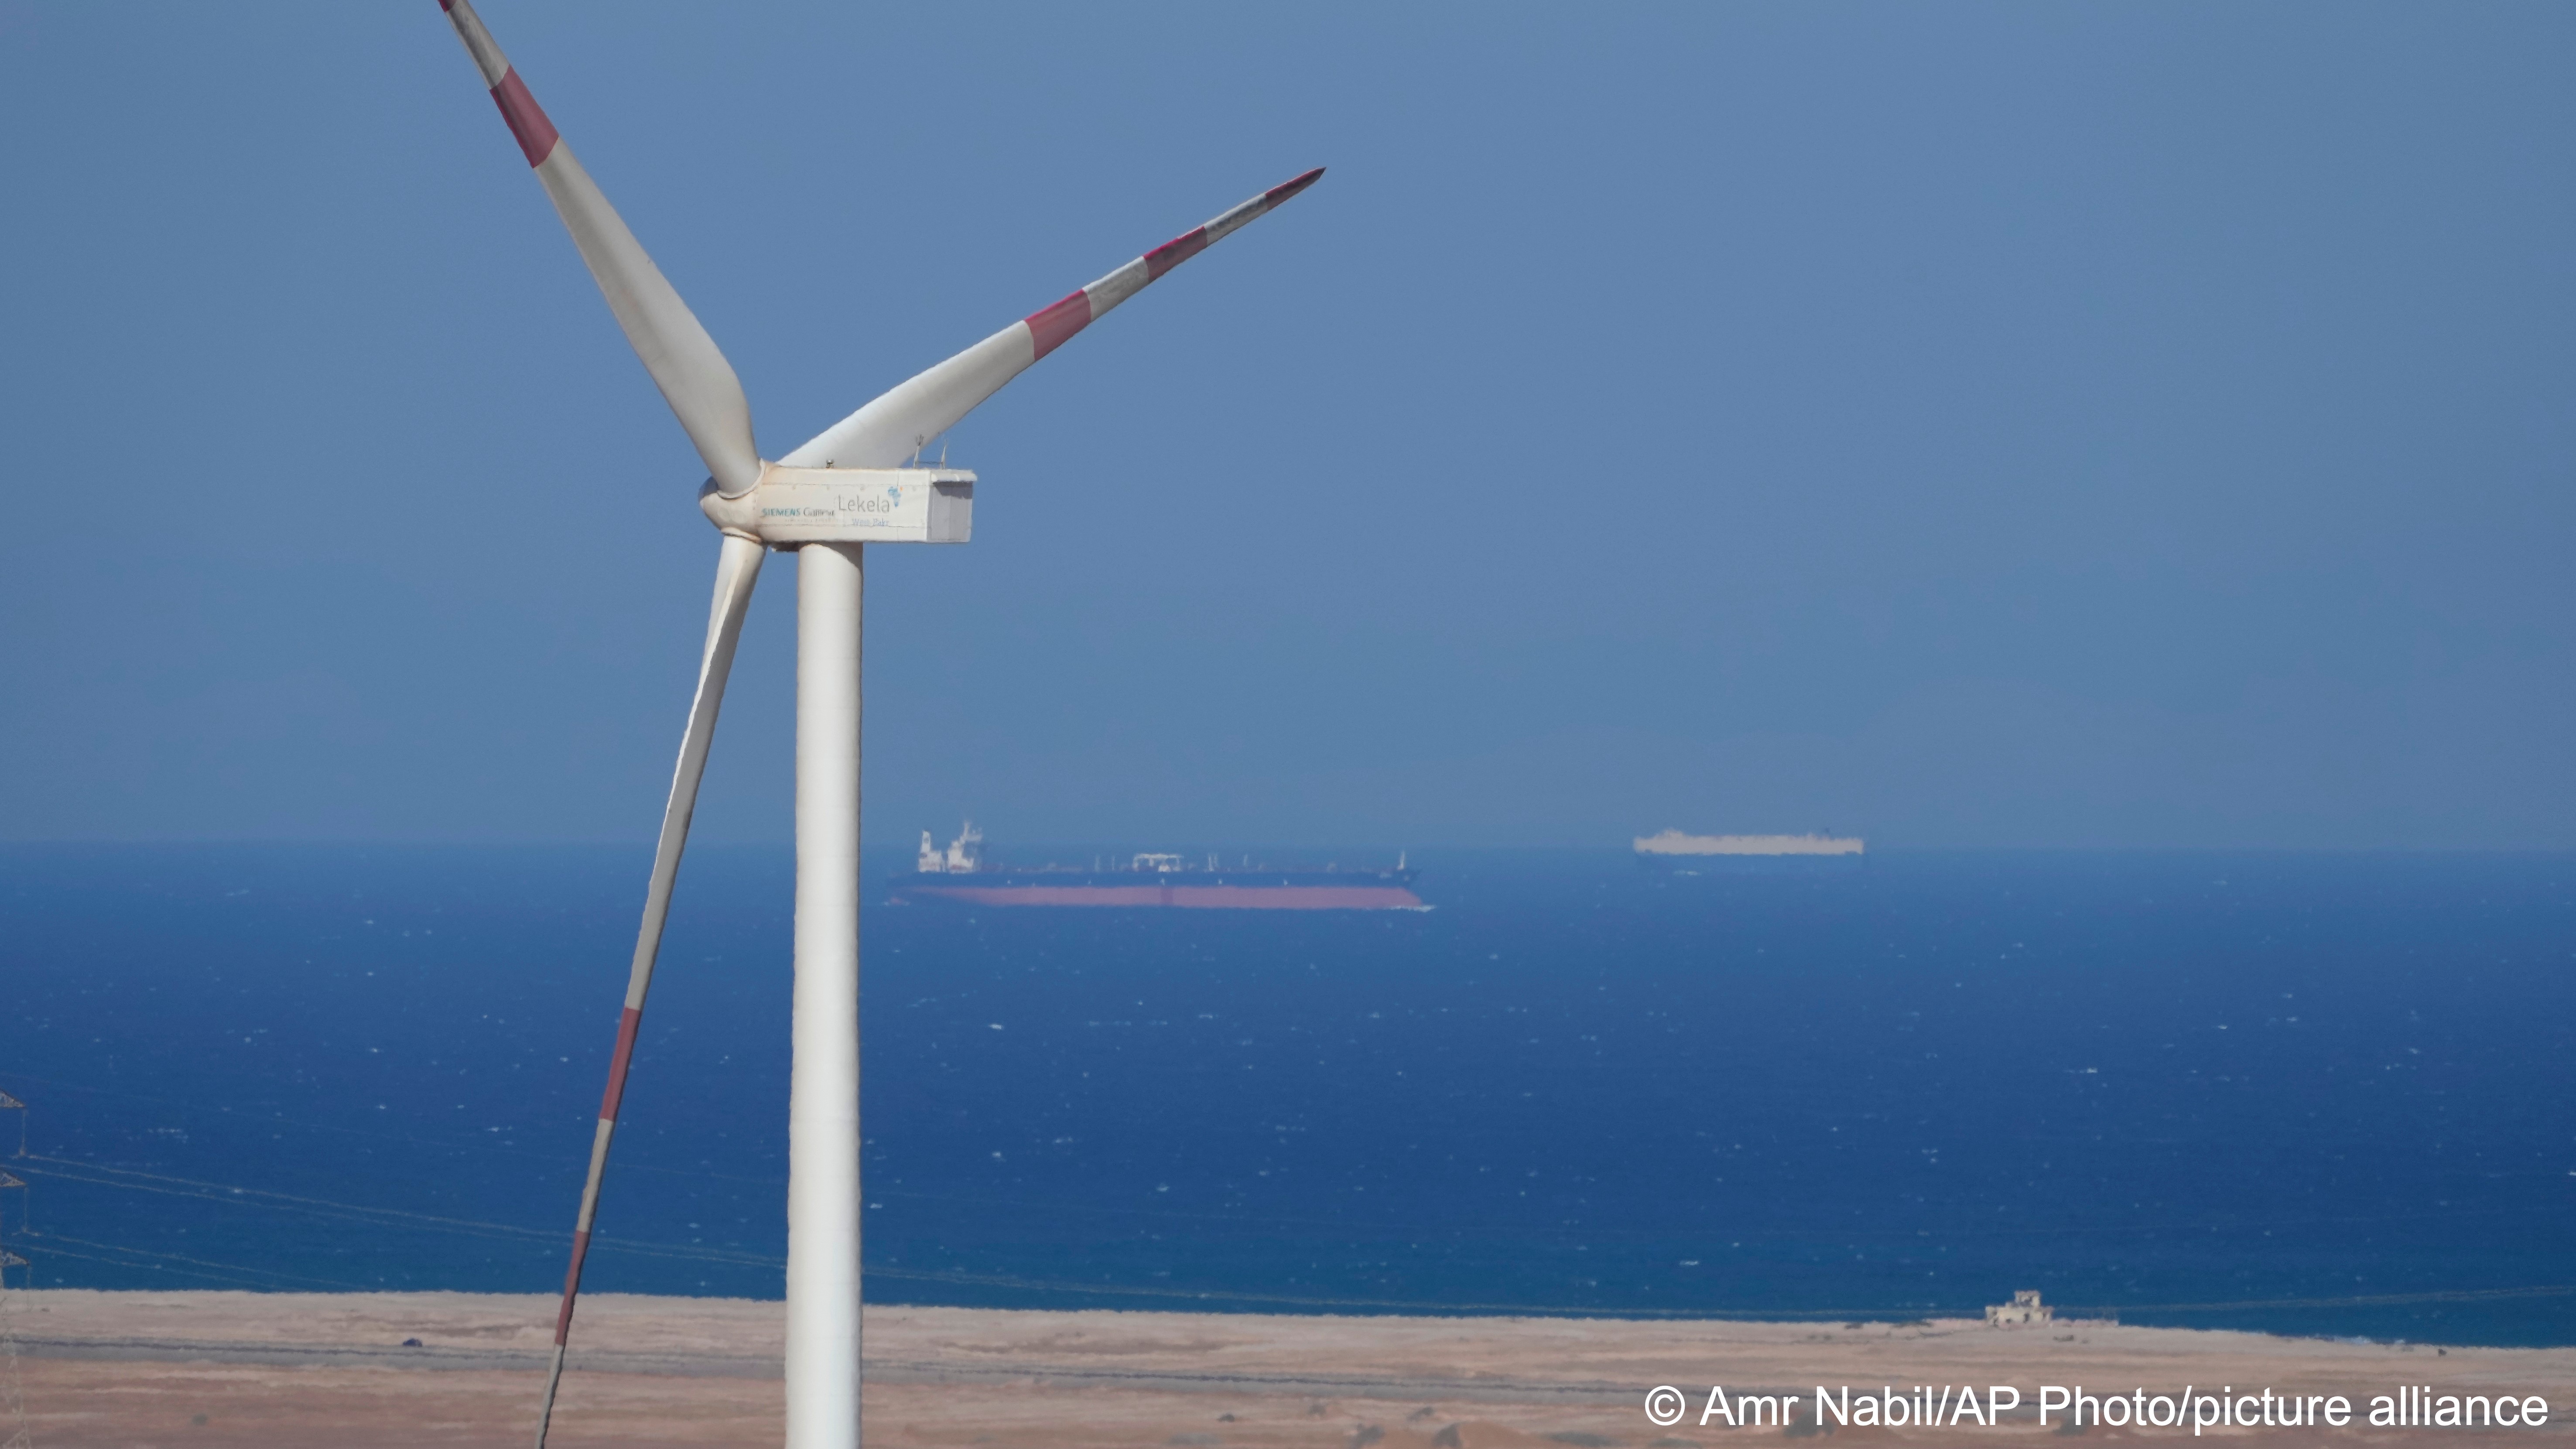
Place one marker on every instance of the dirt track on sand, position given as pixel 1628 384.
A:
pixel 286 1371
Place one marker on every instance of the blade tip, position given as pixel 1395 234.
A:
pixel 1286 189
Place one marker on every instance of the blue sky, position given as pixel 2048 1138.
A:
pixel 1967 425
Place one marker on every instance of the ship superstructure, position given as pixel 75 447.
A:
pixel 960 875
pixel 964 855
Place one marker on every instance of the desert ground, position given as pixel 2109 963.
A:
pixel 285 1371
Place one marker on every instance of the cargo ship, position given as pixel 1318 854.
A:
pixel 959 875
pixel 1691 854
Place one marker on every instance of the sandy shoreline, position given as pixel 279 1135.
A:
pixel 294 1369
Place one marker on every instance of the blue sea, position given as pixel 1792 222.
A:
pixel 2326 1094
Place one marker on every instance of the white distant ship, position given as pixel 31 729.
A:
pixel 1674 848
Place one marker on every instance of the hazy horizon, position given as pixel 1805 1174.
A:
pixel 890 850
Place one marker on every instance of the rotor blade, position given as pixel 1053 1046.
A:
pixel 737 569
pixel 910 414
pixel 694 377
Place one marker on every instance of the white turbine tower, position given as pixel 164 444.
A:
pixel 847 487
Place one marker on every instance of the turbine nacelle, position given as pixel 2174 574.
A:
pixel 792 506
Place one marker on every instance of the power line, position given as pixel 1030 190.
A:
pixel 203 1191
pixel 458 1145
pixel 269 1273
pixel 233 1278
pixel 136 1180
pixel 233 1272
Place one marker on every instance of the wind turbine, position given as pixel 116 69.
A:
pixel 846 488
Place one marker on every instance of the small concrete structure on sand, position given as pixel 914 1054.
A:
pixel 2025 1311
